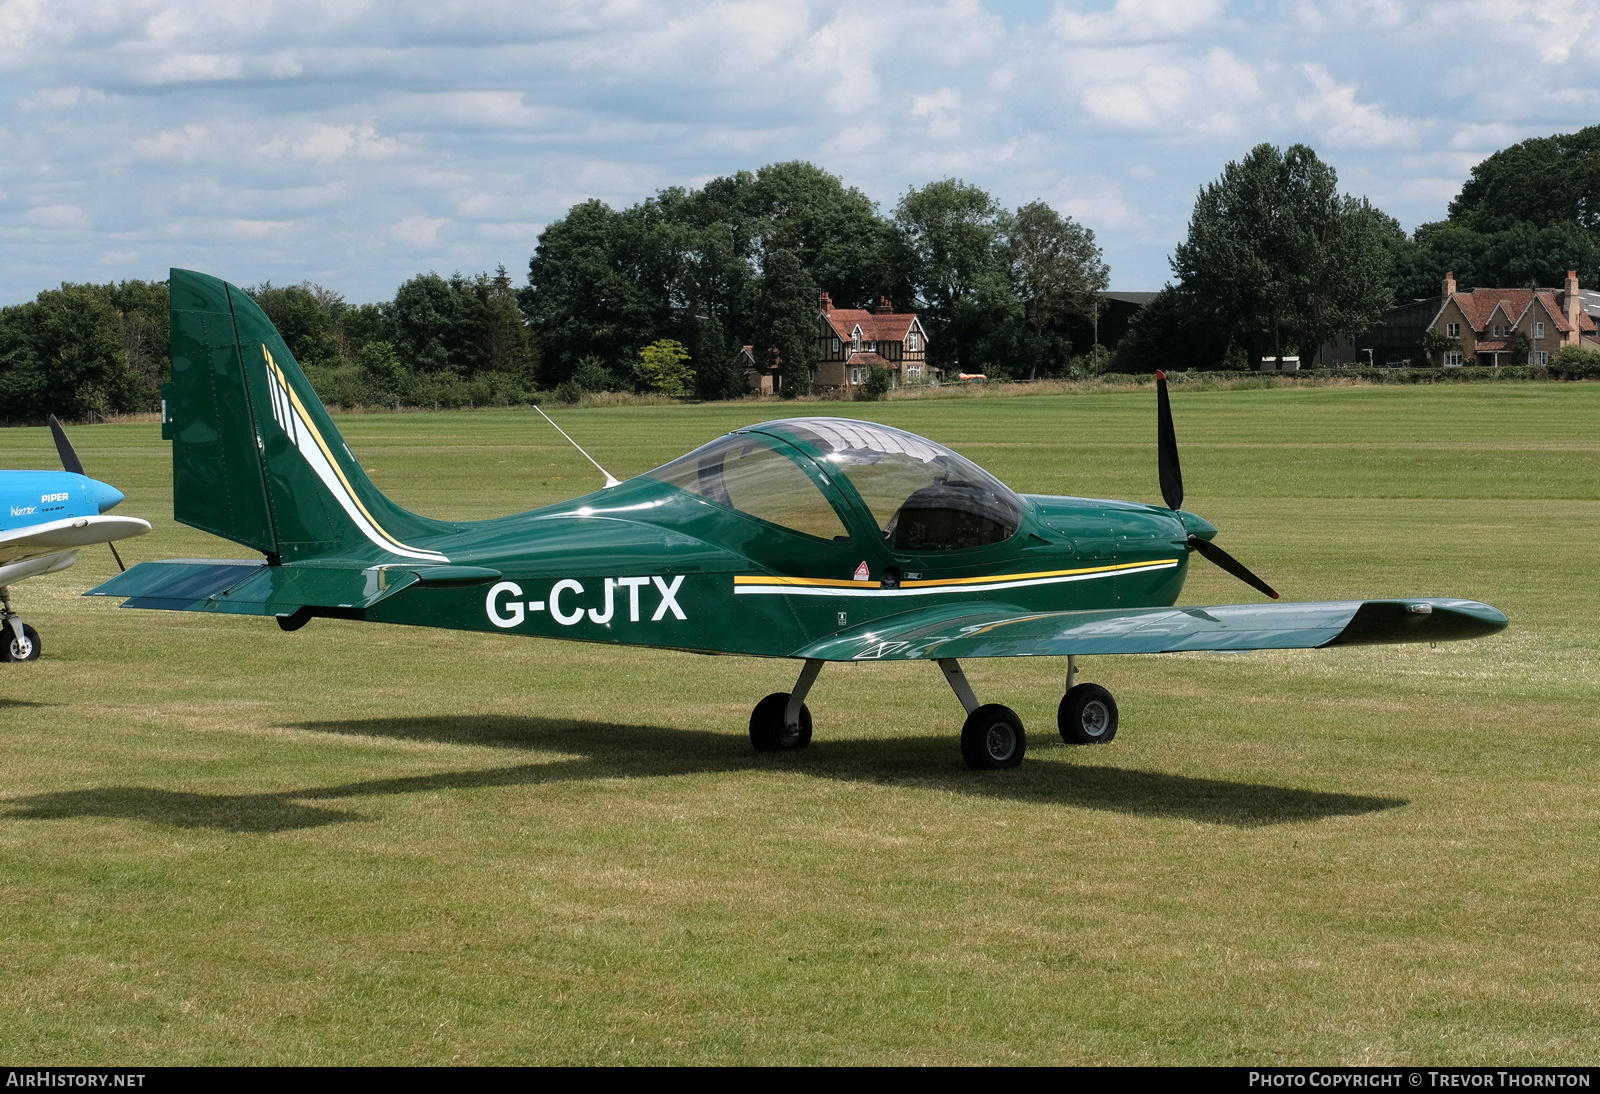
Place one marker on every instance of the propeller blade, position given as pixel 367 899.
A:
pixel 69 456
pixel 1212 553
pixel 70 462
pixel 1167 447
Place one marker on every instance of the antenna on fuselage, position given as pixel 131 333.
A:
pixel 611 480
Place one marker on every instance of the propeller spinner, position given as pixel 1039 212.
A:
pixel 1172 492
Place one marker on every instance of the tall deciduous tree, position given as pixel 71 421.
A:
pixel 1544 181
pixel 1279 259
pixel 1058 272
pixel 786 320
pixel 1523 255
pixel 953 256
pixel 63 353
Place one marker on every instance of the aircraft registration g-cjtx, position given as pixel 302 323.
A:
pixel 46 517
pixel 816 539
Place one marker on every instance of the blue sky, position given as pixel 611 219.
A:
pixel 355 144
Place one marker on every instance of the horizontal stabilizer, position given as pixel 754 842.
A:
pixel 1003 630
pixel 247 587
pixel 66 534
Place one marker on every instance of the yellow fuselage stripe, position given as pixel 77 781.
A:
pixel 954 582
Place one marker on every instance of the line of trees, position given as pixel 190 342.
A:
pixel 657 296
pixel 1277 261
pixel 741 260
pixel 83 350
pixel 661 295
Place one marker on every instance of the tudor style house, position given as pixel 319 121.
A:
pixel 852 341
pixel 1485 322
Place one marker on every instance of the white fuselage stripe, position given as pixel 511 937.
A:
pixel 802 590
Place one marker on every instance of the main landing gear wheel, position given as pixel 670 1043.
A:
pixel 26 648
pixel 993 738
pixel 1087 715
pixel 767 731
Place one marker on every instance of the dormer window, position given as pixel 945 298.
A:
pixel 1538 330
pixel 836 347
pixel 1452 330
pixel 855 340
pixel 913 343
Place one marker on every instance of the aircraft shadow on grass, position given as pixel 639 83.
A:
pixel 610 751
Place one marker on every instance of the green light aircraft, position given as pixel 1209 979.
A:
pixel 817 539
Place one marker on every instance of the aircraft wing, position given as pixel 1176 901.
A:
pixel 1003 630
pixel 69 533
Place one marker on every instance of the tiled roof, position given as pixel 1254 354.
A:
pixel 865 357
pixel 1480 305
pixel 891 327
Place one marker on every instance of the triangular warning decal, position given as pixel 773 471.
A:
pixel 862 573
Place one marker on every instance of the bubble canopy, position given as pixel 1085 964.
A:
pixel 921 496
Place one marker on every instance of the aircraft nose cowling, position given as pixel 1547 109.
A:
pixel 105 495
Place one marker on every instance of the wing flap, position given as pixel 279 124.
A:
pixel 1003 630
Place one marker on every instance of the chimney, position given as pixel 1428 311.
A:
pixel 1448 288
pixel 1573 313
pixel 825 302
pixel 884 306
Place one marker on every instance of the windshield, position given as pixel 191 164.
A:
pixel 743 471
pixel 923 496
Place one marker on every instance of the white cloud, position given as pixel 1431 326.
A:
pixel 1134 21
pixel 419 232
pixel 1342 122
pixel 327 143
pixel 56 216
pixel 186 67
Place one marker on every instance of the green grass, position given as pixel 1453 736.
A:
pixel 220 843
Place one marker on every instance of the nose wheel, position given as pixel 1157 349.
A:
pixel 18 641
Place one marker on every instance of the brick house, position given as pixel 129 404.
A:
pixel 1484 322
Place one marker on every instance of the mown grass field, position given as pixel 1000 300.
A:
pixel 221 843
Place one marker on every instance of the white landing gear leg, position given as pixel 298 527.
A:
pixel 782 721
pixel 992 736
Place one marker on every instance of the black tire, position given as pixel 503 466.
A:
pixel 28 649
pixel 993 738
pixel 1087 715
pixel 767 731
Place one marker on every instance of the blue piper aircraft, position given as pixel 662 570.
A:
pixel 46 517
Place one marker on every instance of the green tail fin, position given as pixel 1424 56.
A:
pixel 255 457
